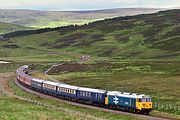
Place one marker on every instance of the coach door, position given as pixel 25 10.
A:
pixel 133 102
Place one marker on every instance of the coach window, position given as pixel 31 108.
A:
pixel 89 94
pixel 84 93
pixel 99 96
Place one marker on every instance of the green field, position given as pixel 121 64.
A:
pixel 6 28
pixel 53 24
pixel 145 37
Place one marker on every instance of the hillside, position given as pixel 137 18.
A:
pixel 6 28
pixel 137 54
pixel 153 36
pixel 41 19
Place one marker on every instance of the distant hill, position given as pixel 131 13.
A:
pixel 7 27
pixel 41 19
pixel 145 36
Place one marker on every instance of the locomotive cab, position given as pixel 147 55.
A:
pixel 144 104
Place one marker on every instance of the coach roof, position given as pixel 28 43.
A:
pixel 92 90
pixel 37 80
pixel 51 83
pixel 68 86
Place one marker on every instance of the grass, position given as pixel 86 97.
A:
pixel 53 24
pixel 141 37
pixel 6 28
pixel 24 110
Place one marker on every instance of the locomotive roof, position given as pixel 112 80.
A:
pixel 126 94
pixel 51 83
pixel 37 80
pixel 92 90
pixel 68 86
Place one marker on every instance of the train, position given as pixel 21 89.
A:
pixel 130 102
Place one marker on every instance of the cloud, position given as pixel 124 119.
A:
pixel 84 4
pixel 125 1
pixel 8 4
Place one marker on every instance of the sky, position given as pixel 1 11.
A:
pixel 85 4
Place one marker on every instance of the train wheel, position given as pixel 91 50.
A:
pixel 146 112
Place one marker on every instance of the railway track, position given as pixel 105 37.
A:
pixel 88 106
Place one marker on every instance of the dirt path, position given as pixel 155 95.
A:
pixel 4 87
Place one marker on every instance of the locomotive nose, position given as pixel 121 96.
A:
pixel 146 105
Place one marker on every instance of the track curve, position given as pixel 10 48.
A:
pixel 87 106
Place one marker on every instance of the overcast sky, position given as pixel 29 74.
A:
pixel 85 4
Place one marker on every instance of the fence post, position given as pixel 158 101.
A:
pixel 174 108
pixel 170 107
pixel 167 107
pixel 162 106
pixel 155 105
